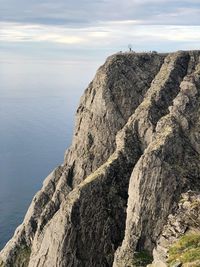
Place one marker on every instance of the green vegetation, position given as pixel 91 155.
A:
pixel 186 249
pixel 101 170
pixel 138 259
pixel 142 258
pixel 23 257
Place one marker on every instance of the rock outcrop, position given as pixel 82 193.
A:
pixel 180 238
pixel 135 151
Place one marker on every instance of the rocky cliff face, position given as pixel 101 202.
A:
pixel 135 151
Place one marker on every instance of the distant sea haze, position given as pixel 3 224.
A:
pixel 37 106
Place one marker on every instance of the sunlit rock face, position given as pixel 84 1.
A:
pixel 135 151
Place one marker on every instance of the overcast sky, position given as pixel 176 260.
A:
pixel 92 29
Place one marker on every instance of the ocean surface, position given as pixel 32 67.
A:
pixel 37 106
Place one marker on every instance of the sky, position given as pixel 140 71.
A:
pixel 92 29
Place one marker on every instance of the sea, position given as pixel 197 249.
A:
pixel 38 101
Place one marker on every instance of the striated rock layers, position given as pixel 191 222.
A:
pixel 135 151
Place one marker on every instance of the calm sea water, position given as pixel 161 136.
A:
pixel 37 105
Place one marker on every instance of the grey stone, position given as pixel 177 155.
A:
pixel 134 152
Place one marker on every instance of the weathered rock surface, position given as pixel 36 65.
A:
pixel 185 221
pixel 135 151
pixel 111 98
pixel 169 166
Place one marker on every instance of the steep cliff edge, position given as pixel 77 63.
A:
pixel 135 150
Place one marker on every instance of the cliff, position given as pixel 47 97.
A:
pixel 133 158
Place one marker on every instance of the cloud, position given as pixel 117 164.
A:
pixel 17 32
pixel 104 34
pixel 80 28
pixel 82 13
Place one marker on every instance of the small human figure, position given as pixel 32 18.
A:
pixel 130 47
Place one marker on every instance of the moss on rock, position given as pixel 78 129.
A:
pixel 186 249
pixel 22 257
pixel 142 258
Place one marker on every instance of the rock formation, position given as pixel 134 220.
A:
pixel 134 153
pixel 180 238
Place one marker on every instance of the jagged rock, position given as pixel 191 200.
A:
pixel 169 166
pixel 136 139
pixel 112 97
pixel 114 94
pixel 185 220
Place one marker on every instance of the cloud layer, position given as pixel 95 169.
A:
pixel 103 34
pixel 84 26
pixel 87 12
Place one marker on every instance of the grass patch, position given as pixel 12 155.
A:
pixel 142 258
pixel 186 249
pixel 100 170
